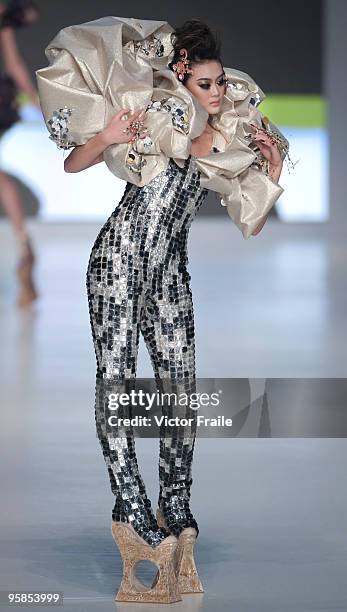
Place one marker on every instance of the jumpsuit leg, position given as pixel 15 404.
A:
pixel 167 326
pixel 115 297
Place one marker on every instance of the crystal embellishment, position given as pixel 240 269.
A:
pixel 241 87
pixel 135 161
pixel 58 126
pixel 178 110
pixel 150 46
pixel 147 144
pixel 255 100
pixel 234 86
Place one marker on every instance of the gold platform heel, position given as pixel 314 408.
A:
pixel 187 575
pixel 133 549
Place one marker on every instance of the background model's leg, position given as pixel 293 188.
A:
pixel 12 204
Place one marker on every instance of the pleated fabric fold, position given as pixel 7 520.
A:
pixel 100 67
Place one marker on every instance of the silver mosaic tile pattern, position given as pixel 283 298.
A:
pixel 138 282
pixel 175 466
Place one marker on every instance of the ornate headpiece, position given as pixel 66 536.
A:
pixel 182 66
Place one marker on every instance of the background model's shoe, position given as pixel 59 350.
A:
pixel 133 549
pixel 188 578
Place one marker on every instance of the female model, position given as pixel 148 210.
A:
pixel 15 14
pixel 193 126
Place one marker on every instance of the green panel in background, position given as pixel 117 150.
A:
pixel 295 110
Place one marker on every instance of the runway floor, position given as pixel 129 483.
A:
pixel 272 511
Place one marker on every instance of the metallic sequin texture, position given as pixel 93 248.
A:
pixel 175 470
pixel 178 110
pixel 255 100
pixel 134 160
pixel 138 282
pixel 151 46
pixel 58 126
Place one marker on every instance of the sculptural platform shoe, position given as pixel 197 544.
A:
pixel 187 575
pixel 133 549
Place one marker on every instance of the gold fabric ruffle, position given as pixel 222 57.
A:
pixel 100 67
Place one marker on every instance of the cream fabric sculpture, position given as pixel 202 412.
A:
pixel 100 67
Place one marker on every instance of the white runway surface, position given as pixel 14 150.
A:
pixel 271 511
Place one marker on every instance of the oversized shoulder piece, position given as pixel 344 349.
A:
pixel 95 69
pixel 173 119
pixel 103 66
pixel 239 172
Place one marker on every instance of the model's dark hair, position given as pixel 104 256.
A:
pixel 201 43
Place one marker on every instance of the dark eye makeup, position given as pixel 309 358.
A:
pixel 222 81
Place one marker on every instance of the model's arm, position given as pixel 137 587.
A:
pixel 91 153
pixel 84 156
pixel 15 66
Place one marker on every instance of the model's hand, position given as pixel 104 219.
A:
pixel 119 131
pixel 266 146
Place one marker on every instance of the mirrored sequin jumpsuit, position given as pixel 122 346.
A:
pixel 137 281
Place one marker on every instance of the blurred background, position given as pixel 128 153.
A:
pixel 281 51
pixel 273 306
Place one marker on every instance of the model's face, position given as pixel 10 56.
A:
pixel 207 84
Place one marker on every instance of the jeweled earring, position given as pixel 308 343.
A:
pixel 182 66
